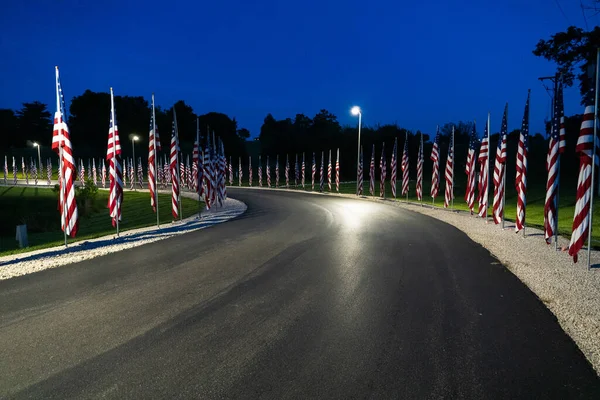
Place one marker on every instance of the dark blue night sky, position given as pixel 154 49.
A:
pixel 416 63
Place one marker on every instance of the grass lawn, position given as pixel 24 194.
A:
pixel 535 201
pixel 38 208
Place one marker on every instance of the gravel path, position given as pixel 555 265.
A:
pixel 38 260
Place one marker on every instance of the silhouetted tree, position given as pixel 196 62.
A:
pixel 34 123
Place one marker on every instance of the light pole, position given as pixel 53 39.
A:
pixel 134 139
pixel 35 144
pixel 356 111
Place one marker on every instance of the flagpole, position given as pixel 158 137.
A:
pixel 155 163
pixel 557 168
pixel 504 168
pixel 594 150
pixel 422 161
pixel 526 166
pixel 200 154
pixel 487 199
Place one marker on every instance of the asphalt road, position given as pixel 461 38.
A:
pixel 301 297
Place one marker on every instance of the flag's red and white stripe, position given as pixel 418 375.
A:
pixel 113 156
pixel 499 171
pixel 329 171
pixel 360 173
pixel 268 166
pixel 585 148
pixel 484 171
pixel 449 173
pixel 404 166
pixel 556 146
pixel 304 170
pixel 471 171
pixel 260 172
pixel 394 167
pixel 522 163
pixel 420 162
pixel 249 170
pixel 152 141
pixel 435 157
pixel 337 171
pixel 61 144
pixel 372 173
pixel 174 173
pixel 383 172
pixel 313 172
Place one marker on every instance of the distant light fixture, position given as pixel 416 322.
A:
pixel 355 110
pixel 35 144
pixel 134 138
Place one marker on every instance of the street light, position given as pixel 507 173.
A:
pixel 356 111
pixel 35 144
pixel 134 139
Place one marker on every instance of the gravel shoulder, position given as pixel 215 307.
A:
pixel 569 290
pixel 26 263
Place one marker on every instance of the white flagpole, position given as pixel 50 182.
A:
pixel 155 163
pixel 200 154
pixel 591 212
pixel 504 168
pixel 422 161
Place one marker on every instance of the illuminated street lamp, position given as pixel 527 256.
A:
pixel 356 111
pixel 35 144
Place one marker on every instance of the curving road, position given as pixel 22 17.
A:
pixel 302 297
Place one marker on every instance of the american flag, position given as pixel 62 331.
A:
pixel 89 170
pixel 499 164
pixel 470 170
pixel 296 171
pixel 435 157
pixel 521 179
pixel 329 171
pixel 196 167
pixel 372 173
pixel 214 170
pixel 188 173
pixel 259 171
pixel 268 166
pixel 49 171
pixel 34 172
pixel 124 172
pixel 61 144
pixel 277 172
pixel 360 173
pixel 420 162
pixel 449 173
pixel 556 146
pixel 173 164
pixel 303 170
pixel 585 148
pixel 322 173
pixel 140 173
pixel 383 171
pixel 337 171
pixel 14 165
pixel 94 172
pixel 103 174
pixel 249 170
pixel 24 169
pixel 152 159
pixel 5 169
pixel 404 167
pixel 222 161
pixel 484 164
pixel 166 172
pixel 41 169
pixel 314 171
pixel 240 172
pixel 209 171
pixel 394 167
pixel 230 172
pixel 113 156
pixel 182 174
pixel 287 171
